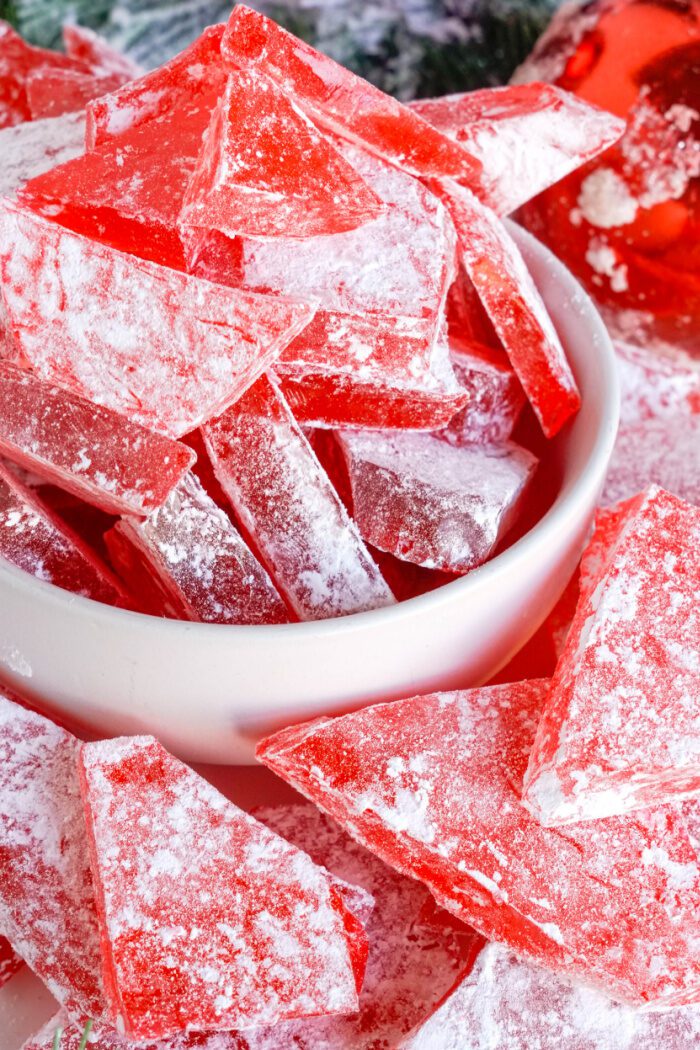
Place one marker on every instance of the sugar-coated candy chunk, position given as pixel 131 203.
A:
pixel 10 961
pixel 657 382
pixel 85 448
pixel 342 101
pixel 189 80
pixel 288 506
pixel 53 92
pixel 202 561
pixel 17 61
pixel 503 282
pixel 620 726
pixel 265 170
pixel 664 451
pixel 527 136
pixel 496 397
pixel 32 148
pixel 505 1003
pixel 33 538
pixel 47 904
pixel 163 348
pixel 432 785
pixel 208 919
pixel 431 503
pixel 89 47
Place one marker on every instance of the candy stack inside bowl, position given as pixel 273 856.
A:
pixel 269 351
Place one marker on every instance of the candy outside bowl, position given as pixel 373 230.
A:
pixel 208 692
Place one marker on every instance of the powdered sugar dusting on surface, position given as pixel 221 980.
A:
pixel 47 906
pixel 663 452
pixel 31 148
pixel 233 925
pixel 582 900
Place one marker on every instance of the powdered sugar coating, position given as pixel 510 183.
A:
pixel 432 786
pixel 430 503
pixel 47 906
pixel 17 62
pixel 288 506
pixel 621 729
pixel 509 1004
pixel 31 148
pixel 209 920
pixel 92 452
pixel 496 397
pixel 202 561
pixel 527 136
pixel 664 451
pixel 164 349
pixel 657 382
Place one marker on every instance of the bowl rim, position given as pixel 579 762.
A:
pixel 583 487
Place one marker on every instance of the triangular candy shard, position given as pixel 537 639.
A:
pixel 89 47
pixel 436 505
pixel 202 561
pixel 84 448
pixel 340 100
pixel 17 62
pixel 264 170
pixel 164 349
pixel 620 727
pixel 527 137
pixel 209 920
pixel 47 906
pixel 503 282
pixel 432 785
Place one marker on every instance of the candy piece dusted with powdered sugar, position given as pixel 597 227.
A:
pixel 47 903
pixel 527 137
pixel 656 383
pixel 499 274
pixel 17 61
pixel 496 397
pixel 85 448
pixel 10 961
pixel 53 92
pixel 163 348
pixel 264 170
pixel 225 923
pixel 341 101
pixel 663 452
pixel 288 506
pixel 433 504
pixel 89 47
pixel 33 538
pixel 620 728
pixel 505 1003
pixel 432 786
pixel 202 561
pixel 32 148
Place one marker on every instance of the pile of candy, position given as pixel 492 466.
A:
pixel 266 337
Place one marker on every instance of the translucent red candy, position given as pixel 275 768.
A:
pixel 432 785
pixel 165 349
pixel 17 61
pixel 290 510
pixel 496 397
pixel 264 170
pixel 202 562
pixel 32 148
pixel 208 920
pixel 527 136
pixel 620 727
pixel 89 47
pixel 664 451
pixel 47 907
pixel 84 448
pixel 10 962
pixel 52 92
pixel 430 503
pixel 341 101
pixel 33 538
pixel 507 291
pixel 505 1003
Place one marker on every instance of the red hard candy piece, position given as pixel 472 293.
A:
pixel 17 61
pixel 85 448
pixel 287 505
pixel 341 101
pixel 619 729
pixel 52 92
pixel 499 274
pixel 527 136
pixel 430 503
pixel 47 906
pixel 208 920
pixel 657 382
pixel 32 148
pixel 202 561
pixel 165 349
pixel 33 538
pixel 506 1003
pixel 663 452
pixel 89 47
pixel 496 397
pixel 264 170
pixel 431 785
pixel 10 962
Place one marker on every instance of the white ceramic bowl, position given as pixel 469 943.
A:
pixel 209 691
